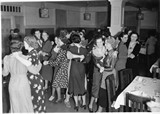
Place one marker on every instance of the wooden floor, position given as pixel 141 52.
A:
pixel 51 106
pixel 60 107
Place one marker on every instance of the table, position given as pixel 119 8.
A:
pixel 144 84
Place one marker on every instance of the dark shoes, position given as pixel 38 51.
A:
pixel 90 109
pixel 58 101
pixel 84 106
pixel 76 108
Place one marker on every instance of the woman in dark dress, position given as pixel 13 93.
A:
pixel 109 65
pixel 122 53
pixel 98 53
pixel 47 70
pixel 133 51
pixel 77 72
pixel 34 77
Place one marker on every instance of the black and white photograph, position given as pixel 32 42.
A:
pixel 80 56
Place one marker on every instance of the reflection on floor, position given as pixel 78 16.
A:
pixel 60 107
pixel 51 106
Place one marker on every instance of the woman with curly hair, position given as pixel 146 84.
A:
pixel 133 46
pixel 98 53
pixel 19 88
pixel 36 80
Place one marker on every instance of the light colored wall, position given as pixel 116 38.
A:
pixel 30 11
pixel 92 10
pixel 74 16
pixel 150 18
pixel 31 15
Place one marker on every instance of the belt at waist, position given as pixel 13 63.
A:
pixel 76 60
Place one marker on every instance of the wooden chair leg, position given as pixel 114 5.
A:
pixel 121 109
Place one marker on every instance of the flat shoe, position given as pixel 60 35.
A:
pixel 76 108
pixel 58 101
pixel 67 103
pixel 90 109
pixel 83 106
pixel 51 98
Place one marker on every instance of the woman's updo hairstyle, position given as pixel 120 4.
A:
pixel 16 45
pixel 96 37
pixel 31 41
pixel 75 38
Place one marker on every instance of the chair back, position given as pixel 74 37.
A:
pixel 155 73
pixel 125 78
pixel 136 103
pixel 111 91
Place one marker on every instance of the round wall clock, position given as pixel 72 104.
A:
pixel 44 13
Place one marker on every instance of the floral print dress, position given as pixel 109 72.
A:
pixel 61 76
pixel 36 84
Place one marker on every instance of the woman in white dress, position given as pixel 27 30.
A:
pixel 19 88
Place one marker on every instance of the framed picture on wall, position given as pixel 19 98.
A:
pixel 87 16
pixel 44 13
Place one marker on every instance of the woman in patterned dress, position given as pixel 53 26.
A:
pixel 35 79
pixel 61 62
pixel 61 76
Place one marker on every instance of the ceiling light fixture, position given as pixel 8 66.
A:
pixel 87 15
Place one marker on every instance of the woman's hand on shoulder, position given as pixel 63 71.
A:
pixel 81 57
pixel 69 55
pixel 16 54
pixel 101 69
pixel 45 62
pixel 56 49
pixel 132 56
pixel 115 54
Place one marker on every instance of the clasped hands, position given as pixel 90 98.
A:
pixel 152 67
pixel 71 56
pixel 101 69
pixel 45 62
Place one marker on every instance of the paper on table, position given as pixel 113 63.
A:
pixel 153 104
pixel 139 93
pixel 139 79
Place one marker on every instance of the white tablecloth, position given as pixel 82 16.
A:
pixel 143 84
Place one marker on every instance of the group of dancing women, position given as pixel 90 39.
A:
pixel 63 63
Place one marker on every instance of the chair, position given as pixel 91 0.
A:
pixel 111 91
pixel 155 73
pixel 136 103
pixel 125 77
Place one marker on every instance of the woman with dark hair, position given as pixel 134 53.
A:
pixel 61 63
pixel 19 88
pixel 47 70
pixel 133 51
pixel 37 34
pixel 34 65
pixel 98 53
pixel 109 66
pixel 122 53
pixel 61 75
pixel 77 71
